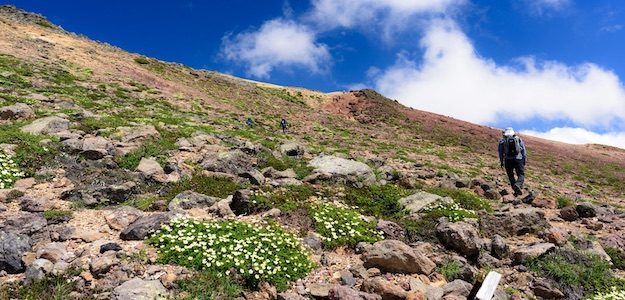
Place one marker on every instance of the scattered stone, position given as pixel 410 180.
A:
pixel 292 149
pixel 53 252
pixel 138 289
pixel 521 254
pixel 461 236
pixel 191 199
pixel 339 169
pixel 241 202
pixel 386 289
pixel 499 249
pixel 555 235
pixel 338 292
pixel 569 214
pixel 391 230
pixel 514 222
pixel 25 223
pixel 168 280
pixel 458 288
pixel 96 147
pixel 47 125
pixel 586 210
pixel 290 296
pixel 101 265
pixel 111 246
pixel 415 203
pixel 396 257
pixel 542 202
pixel 542 288
pixel 144 226
pixel 313 241
pixel 30 204
pixel 254 176
pixel 430 292
pixel 347 278
pixel 12 248
pixel 136 134
pixel 222 208
pixel 319 290
pixel 17 111
pixel 121 217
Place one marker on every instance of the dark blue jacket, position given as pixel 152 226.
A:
pixel 521 156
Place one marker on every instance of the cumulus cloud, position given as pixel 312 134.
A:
pixel 387 15
pixel 277 43
pixel 451 78
pixel 581 136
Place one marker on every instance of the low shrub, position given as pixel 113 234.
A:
pixel 51 287
pixel 340 226
pixel 450 269
pixel 256 253
pixel 617 256
pixel 142 60
pixel 564 202
pixel 286 199
pixel 9 171
pixel 465 198
pixel 55 216
pixel 208 185
pixel 207 286
pixel 614 294
pixel 452 211
pixel 299 166
pixel 379 201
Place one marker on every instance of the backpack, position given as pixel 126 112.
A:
pixel 512 146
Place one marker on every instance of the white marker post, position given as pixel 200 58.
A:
pixel 489 286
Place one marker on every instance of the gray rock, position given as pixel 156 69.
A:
pixel 514 222
pixel 96 147
pixel 461 236
pixel 498 247
pixel 241 202
pixel 17 111
pixel 521 254
pixel 25 223
pixel 313 241
pixel 191 199
pixel 30 204
pixel 47 125
pixel 290 296
pixel 542 288
pixel 396 257
pixel 234 162
pixel 458 288
pixel 102 264
pixel 391 230
pixel 222 208
pixel 254 176
pixel 122 216
pixel 12 247
pixel 569 214
pixel 415 203
pixel 343 170
pixel 138 289
pixel 319 290
pixel 53 252
pixel 338 292
pixel 586 210
pixel 144 226
pixel 136 134
pixel 292 149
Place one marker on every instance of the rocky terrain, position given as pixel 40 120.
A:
pixel 125 177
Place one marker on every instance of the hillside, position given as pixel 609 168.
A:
pixel 99 148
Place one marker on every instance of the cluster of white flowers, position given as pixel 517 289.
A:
pixel 615 294
pixel 256 253
pixel 342 226
pixel 452 211
pixel 9 171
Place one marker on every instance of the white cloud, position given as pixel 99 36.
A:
pixel 581 136
pixel 385 15
pixel 277 43
pixel 453 79
pixel 540 7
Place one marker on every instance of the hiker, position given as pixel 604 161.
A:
pixel 249 122
pixel 284 125
pixel 512 155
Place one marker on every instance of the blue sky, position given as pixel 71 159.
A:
pixel 551 68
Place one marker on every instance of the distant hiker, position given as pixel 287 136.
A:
pixel 284 125
pixel 249 122
pixel 512 155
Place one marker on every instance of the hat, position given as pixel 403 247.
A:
pixel 509 132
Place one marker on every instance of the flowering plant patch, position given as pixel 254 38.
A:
pixel 342 226
pixel 615 294
pixel 9 171
pixel 452 211
pixel 256 253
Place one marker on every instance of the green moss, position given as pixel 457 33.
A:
pixel 379 201
pixel 142 60
pixel 465 199
pixel 207 285
pixel 52 287
pixel 286 199
pixel 30 153
pixel 617 256
pixel 450 269
pixel 564 202
pixel 57 215
pixel 212 186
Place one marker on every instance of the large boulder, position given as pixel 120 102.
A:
pixel 191 199
pixel 233 162
pixel 417 202
pixel 586 210
pixel 144 226
pixel 241 203
pixel 17 111
pixel 292 149
pixel 96 147
pixel 136 134
pixel 138 289
pixel 390 230
pixel 342 170
pixel 396 257
pixel 25 223
pixel 12 247
pixel 514 222
pixel 521 254
pixel 460 236
pixel 47 125
pixel 122 216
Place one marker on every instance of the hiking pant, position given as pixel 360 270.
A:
pixel 517 165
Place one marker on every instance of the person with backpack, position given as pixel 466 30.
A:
pixel 284 125
pixel 513 155
pixel 250 122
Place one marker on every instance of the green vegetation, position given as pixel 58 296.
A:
pixel 464 198
pixel 256 253
pixel 575 270
pixel 614 294
pixel 379 201
pixel 208 185
pixel 286 199
pixel 55 215
pixel 452 211
pixel 142 60
pixel 142 202
pixel 9 171
pixel 450 269
pixel 266 159
pixel 564 202
pixel 208 286
pixel 340 226
pixel 52 287
pixel 30 153
pixel 617 256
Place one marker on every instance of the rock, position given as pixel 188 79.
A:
pixel 254 176
pixel 313 241
pixel 613 240
pixel 136 134
pixel 17 111
pixel 415 203
pixel 12 248
pixel 508 198
pixel 586 210
pixel 347 278
pixel 47 125
pixel 460 236
pixel 430 292
pixel 542 288
pixel 121 217
pixel 492 194
pixel 386 289
pixel 569 214
pixel 144 226
pixel 168 280
pixel 96 147
pixel 343 170
pixel 118 193
pixel 102 264
pixel 222 208
pixel 458 288
pixel 150 168
pixel 338 292
pixel 138 289
pixel 53 252
pixel 514 222
pixel 541 202
pixel 274 174
pixel 391 230
pixel 25 223
pixel 234 162
pixel 396 257
pixel 319 290
pixel 290 296
pixel 498 246
pixel 292 149
pixel 191 199
pixel 555 235
pixel 241 202
pixel 521 254
pixel 111 246
pixel 33 204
